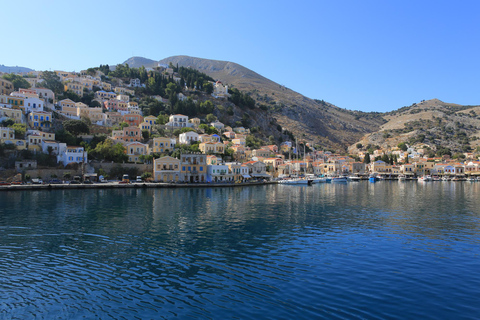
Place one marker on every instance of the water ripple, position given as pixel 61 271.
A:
pixel 330 251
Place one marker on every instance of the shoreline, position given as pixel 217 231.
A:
pixel 143 185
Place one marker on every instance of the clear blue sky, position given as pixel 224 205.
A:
pixel 359 55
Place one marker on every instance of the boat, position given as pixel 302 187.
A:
pixel 402 177
pixel 340 179
pixel 297 181
pixel 471 179
pixel 316 179
pixel 425 178
pixel 354 178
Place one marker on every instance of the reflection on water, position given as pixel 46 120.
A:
pixel 361 250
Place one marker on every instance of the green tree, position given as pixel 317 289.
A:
pixel 210 118
pixel 7 123
pixel 367 158
pixel 109 151
pixel 52 82
pixel 208 87
pixel 359 146
pixel 402 146
pixel 17 81
pixel 20 130
pixel 206 107
pixel 145 135
pixel 66 137
pixel 162 119
pixel 76 127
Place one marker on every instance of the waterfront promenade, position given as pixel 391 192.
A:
pixel 116 185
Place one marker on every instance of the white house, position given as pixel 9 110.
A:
pixel 135 83
pixel 178 121
pixel 45 94
pixel 188 137
pixel 219 173
pixel 72 155
pixel 220 91
pixel 218 125
pixel 57 148
pixel 33 104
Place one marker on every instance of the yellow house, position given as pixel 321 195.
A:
pixel 145 126
pixel 94 114
pixel 7 136
pixel 193 168
pixel 166 169
pixel 106 86
pixel 34 140
pixel 16 101
pixel 68 107
pixel 40 119
pixel 6 87
pixel 14 114
pixel 135 150
pixel 195 121
pixel 212 147
pixel 423 167
pixel 239 141
pixel 120 90
pixel 3 99
pixel 263 153
pixel 75 87
pixel 151 119
pixel 7 133
pixel 163 144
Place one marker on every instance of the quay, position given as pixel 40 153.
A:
pixel 116 185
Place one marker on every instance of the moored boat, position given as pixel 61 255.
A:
pixel 354 178
pixel 340 179
pixel 296 181
pixel 425 178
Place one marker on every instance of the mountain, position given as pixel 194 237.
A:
pixel 15 69
pixel 137 62
pixel 311 120
pixel 432 123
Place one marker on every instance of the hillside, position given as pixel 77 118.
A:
pixel 12 69
pixel 310 120
pixel 137 62
pixel 433 123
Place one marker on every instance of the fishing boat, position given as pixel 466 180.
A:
pixel 402 177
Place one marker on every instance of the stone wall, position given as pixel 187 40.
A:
pixel 108 166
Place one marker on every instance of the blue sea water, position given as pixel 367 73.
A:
pixel 388 250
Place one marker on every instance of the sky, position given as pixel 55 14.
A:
pixel 358 55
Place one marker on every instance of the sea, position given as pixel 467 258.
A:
pixel 357 250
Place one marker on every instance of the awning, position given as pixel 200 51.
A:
pixel 261 175
pixel 246 176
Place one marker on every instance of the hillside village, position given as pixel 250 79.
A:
pixel 164 124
